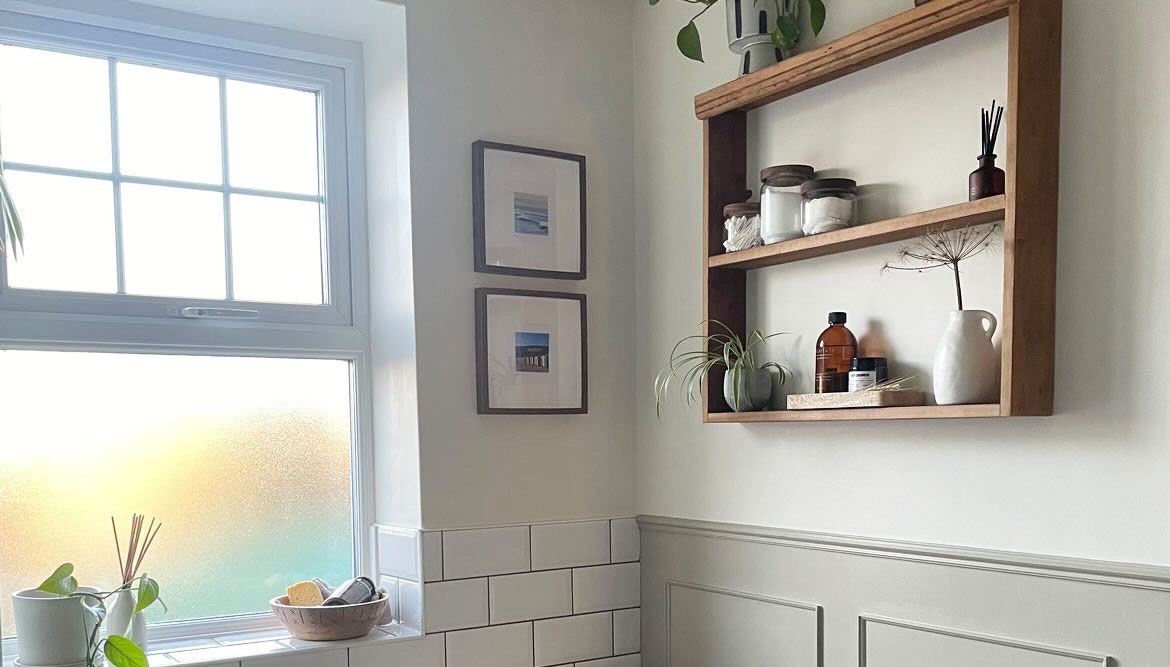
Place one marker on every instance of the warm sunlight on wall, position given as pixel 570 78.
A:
pixel 245 460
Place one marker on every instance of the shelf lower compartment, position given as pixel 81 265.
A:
pixel 979 212
pixel 856 414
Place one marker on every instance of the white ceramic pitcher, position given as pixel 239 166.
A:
pixel 966 365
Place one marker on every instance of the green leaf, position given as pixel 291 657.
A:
pixel 689 42
pixel 816 15
pixel 61 582
pixel 122 652
pixel 787 32
pixel 147 594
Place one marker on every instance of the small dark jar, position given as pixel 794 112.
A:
pixel 988 180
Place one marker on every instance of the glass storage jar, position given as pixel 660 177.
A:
pixel 829 204
pixel 742 222
pixel 780 202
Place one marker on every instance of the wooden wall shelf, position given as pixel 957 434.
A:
pixel 979 212
pixel 1028 211
pixel 857 414
pixel 867 47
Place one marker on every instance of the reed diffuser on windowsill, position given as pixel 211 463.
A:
pixel 988 180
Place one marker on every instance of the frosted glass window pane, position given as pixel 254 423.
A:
pixel 246 461
pixel 173 242
pixel 168 124
pixel 54 109
pixel 276 250
pixel 272 138
pixel 69 234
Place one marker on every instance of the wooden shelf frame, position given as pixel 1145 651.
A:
pixel 981 212
pixel 858 414
pixel 1028 210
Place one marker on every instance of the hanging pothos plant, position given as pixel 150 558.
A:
pixel 785 34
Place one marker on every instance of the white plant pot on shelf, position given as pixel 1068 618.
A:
pixel 749 34
pixel 966 366
pixel 50 629
pixel 754 391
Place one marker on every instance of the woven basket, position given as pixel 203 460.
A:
pixel 331 623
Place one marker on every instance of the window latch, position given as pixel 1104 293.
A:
pixel 204 313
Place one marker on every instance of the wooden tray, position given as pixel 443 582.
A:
pixel 856 399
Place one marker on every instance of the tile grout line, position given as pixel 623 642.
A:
pixel 509 573
pixel 540 619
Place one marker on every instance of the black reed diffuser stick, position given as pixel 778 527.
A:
pixel 991 120
pixel 988 180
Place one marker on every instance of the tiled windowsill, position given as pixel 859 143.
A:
pixel 265 643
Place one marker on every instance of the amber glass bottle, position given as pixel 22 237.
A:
pixel 988 180
pixel 835 351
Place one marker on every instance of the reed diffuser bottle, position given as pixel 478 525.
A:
pixel 988 180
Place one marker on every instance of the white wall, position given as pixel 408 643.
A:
pixel 555 74
pixel 1089 482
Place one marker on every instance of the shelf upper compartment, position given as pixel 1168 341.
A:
pixel 869 46
pixel 978 212
pixel 855 414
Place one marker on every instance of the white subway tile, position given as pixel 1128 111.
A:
pixel 625 540
pixel 485 551
pixel 453 605
pixel 620 661
pixel 627 631
pixel 497 646
pixel 523 597
pixel 432 555
pixel 422 652
pixel 338 658
pixel 606 587
pixel 410 604
pixel 561 640
pixel 398 553
pixel 570 544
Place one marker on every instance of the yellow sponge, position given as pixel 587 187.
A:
pixel 305 594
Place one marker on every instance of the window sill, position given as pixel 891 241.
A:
pixel 264 643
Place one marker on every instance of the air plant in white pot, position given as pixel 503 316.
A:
pixel 747 384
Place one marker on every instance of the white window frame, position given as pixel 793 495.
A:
pixel 57 321
pixel 328 82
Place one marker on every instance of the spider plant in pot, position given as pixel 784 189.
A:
pixel 747 384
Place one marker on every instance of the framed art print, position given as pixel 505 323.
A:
pixel 531 352
pixel 529 207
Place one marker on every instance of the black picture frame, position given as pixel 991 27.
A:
pixel 481 352
pixel 480 217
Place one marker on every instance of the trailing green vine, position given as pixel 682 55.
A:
pixel 118 651
pixel 785 35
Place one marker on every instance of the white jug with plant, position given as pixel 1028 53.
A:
pixel 966 365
